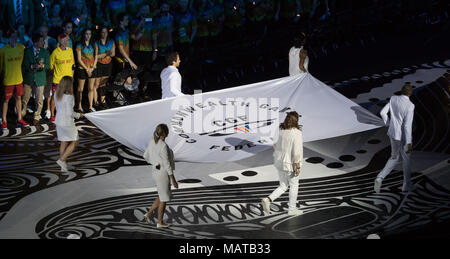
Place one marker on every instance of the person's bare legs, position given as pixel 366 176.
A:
pixel 97 89
pixel 154 206
pixel 70 148
pixel 19 107
pixel 62 148
pixel 52 106
pixel 102 85
pixel 161 208
pixel 5 109
pixel 92 96
pixel 80 92
pixel 48 100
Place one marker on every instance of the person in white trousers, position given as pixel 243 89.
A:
pixel 159 154
pixel 401 110
pixel 288 157
pixel 171 77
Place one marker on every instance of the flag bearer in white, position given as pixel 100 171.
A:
pixel 288 156
pixel 400 134
pixel 170 77
pixel 298 56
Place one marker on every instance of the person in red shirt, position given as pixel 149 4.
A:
pixel 11 57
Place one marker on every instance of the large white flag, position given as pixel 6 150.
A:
pixel 236 123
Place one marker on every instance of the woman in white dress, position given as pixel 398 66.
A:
pixel 288 157
pixel 65 125
pixel 298 56
pixel 159 154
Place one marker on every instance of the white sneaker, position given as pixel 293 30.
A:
pixel 163 225
pixel 147 219
pixel 48 114
pixel 63 166
pixel 377 184
pixel 295 212
pixel 266 205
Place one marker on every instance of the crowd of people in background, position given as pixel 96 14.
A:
pixel 42 41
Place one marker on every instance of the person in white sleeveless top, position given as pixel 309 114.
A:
pixel 288 157
pixel 65 125
pixel 401 110
pixel 298 56
pixel 159 154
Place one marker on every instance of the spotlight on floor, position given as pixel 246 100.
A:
pixel 373 236
pixel 73 236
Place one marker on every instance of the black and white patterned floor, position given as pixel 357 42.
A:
pixel 107 193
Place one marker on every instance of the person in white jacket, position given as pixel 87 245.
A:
pixel 288 157
pixel 160 156
pixel 401 110
pixel 65 125
pixel 171 77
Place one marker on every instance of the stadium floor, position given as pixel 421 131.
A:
pixel 107 193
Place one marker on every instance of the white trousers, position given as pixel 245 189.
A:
pixel 287 180
pixel 398 149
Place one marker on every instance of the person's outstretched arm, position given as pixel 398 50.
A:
pixel 166 163
pixel 297 153
pixel 303 54
pixel 408 128
pixel 384 113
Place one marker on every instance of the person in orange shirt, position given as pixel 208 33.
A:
pixel 11 57
pixel 62 63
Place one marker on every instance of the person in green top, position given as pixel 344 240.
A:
pixel 257 10
pixel 185 31
pixel 288 10
pixel 145 43
pixel 36 62
pixel 99 13
pixel 205 19
pixel 216 25
pixel 235 13
pixel 166 27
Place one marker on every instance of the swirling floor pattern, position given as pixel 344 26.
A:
pixel 107 193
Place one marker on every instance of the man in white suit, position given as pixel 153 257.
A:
pixel 400 133
pixel 170 77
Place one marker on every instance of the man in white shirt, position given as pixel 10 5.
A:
pixel 170 77
pixel 400 134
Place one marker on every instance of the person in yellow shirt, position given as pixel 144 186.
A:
pixel 62 63
pixel 11 57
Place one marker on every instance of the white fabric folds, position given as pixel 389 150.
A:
pixel 235 123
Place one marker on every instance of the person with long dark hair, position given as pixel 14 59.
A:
pixel 298 56
pixel 87 61
pixel 288 157
pixel 159 154
pixel 105 50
